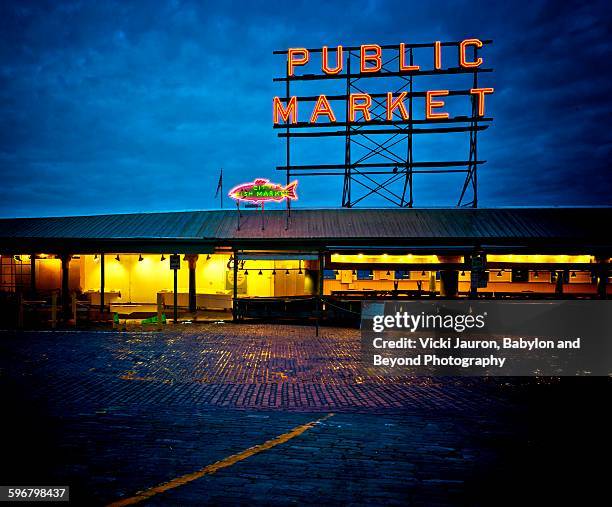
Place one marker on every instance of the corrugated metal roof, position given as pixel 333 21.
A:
pixel 330 224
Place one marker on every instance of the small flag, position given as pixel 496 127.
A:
pixel 219 184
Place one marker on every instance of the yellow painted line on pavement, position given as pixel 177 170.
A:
pixel 224 463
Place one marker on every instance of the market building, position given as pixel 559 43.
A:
pixel 319 262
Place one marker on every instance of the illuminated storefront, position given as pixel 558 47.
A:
pixel 341 255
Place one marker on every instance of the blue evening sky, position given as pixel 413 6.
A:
pixel 122 106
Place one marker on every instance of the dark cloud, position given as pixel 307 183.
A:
pixel 134 106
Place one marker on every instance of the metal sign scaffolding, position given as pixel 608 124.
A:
pixel 379 154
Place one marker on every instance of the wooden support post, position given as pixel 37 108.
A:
pixel 559 282
pixel 602 278
pixel 53 309
pixel 65 286
pixel 475 274
pixel 478 264
pixel 432 283
pixel 160 304
pixel 235 298
pixel 175 295
pixel 102 288
pixel 449 278
pixel 192 260
pixel 320 291
pixel 32 275
pixel 175 265
pixel 74 307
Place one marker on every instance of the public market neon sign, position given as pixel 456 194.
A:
pixel 371 62
pixel 261 191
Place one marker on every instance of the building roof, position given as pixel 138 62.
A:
pixel 586 228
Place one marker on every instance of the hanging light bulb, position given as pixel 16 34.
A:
pixel 463 273
pixel 423 273
pixel 536 275
pixel 117 258
pixel 246 272
pixel 286 271
pixel 499 273
pixel 573 274
pixel 140 259
pixel 388 272
pixel 163 258
pixel 274 272
pixel 300 271
pixel 260 272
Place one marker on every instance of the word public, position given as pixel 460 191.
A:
pixel 371 62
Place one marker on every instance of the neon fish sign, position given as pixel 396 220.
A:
pixel 261 191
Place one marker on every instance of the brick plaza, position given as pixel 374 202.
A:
pixel 113 413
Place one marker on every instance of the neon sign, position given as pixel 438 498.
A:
pixel 285 110
pixel 261 191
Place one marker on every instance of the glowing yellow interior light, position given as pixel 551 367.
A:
pixel 385 258
pixel 543 259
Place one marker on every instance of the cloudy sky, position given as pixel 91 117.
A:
pixel 134 106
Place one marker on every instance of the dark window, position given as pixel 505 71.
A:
pixel 402 275
pixel 520 275
pixel 564 274
pixel 329 274
pixel 364 274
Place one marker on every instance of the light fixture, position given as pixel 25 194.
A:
pixel 260 273
pixel 140 259
pixel 463 273
pixel 423 273
pixel 388 272
pixel 163 258
pixel 246 272
pixel 300 271
pixel 573 274
pixel 208 257
pixel 499 273
pixel 286 271
pixel 274 272
pixel 536 275
pixel 117 258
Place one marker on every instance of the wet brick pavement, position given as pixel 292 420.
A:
pixel 241 366
pixel 111 413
